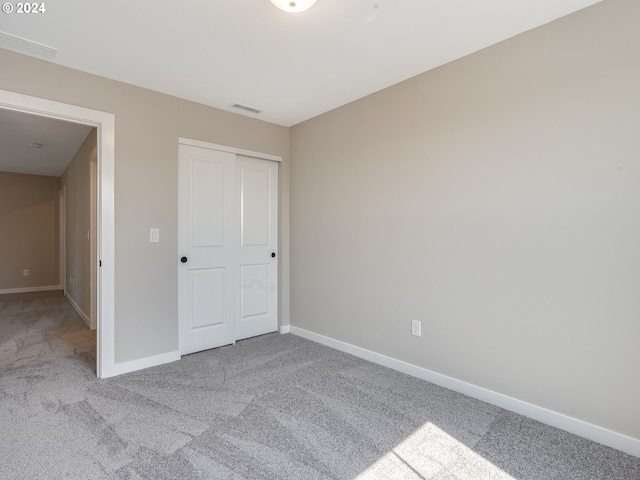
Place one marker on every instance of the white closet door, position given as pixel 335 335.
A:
pixel 227 240
pixel 207 245
pixel 258 263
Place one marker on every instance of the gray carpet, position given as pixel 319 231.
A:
pixel 272 407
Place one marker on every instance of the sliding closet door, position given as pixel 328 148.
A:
pixel 207 245
pixel 227 242
pixel 258 262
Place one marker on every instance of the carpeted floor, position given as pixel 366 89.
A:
pixel 272 407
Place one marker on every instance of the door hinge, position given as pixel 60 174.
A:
pixel 100 264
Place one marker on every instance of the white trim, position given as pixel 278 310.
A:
pixel 590 431
pixel 93 237
pixel 105 124
pixel 224 148
pixel 285 329
pixel 147 362
pixel 77 308
pixel 30 289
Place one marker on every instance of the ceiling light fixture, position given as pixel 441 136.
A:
pixel 293 6
pixel 36 145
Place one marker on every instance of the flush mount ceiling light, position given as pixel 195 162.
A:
pixel 293 6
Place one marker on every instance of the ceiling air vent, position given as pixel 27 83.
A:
pixel 245 108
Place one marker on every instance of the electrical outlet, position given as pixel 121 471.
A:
pixel 25 272
pixel 416 328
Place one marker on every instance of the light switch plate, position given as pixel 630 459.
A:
pixel 154 235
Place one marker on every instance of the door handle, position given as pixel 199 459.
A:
pixel 184 259
pixel 273 254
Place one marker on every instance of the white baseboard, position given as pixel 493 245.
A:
pixel 589 431
pixel 142 363
pixel 285 329
pixel 77 308
pixel 30 289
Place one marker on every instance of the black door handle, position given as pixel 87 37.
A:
pixel 273 254
pixel 183 259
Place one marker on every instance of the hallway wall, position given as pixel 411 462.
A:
pixel 28 231
pixel 76 179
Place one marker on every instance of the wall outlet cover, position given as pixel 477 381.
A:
pixel 416 328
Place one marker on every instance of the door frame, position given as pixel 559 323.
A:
pixel 224 148
pixel 104 280
pixel 93 234
pixel 237 151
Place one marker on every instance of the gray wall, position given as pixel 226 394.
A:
pixel 76 179
pixel 28 230
pixel 497 200
pixel 147 127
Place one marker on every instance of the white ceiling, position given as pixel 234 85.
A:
pixel 290 66
pixel 60 141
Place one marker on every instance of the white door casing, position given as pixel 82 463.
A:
pixel 228 210
pixel 93 244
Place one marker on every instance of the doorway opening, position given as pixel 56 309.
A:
pixel 103 273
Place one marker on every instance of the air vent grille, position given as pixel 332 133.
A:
pixel 245 108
